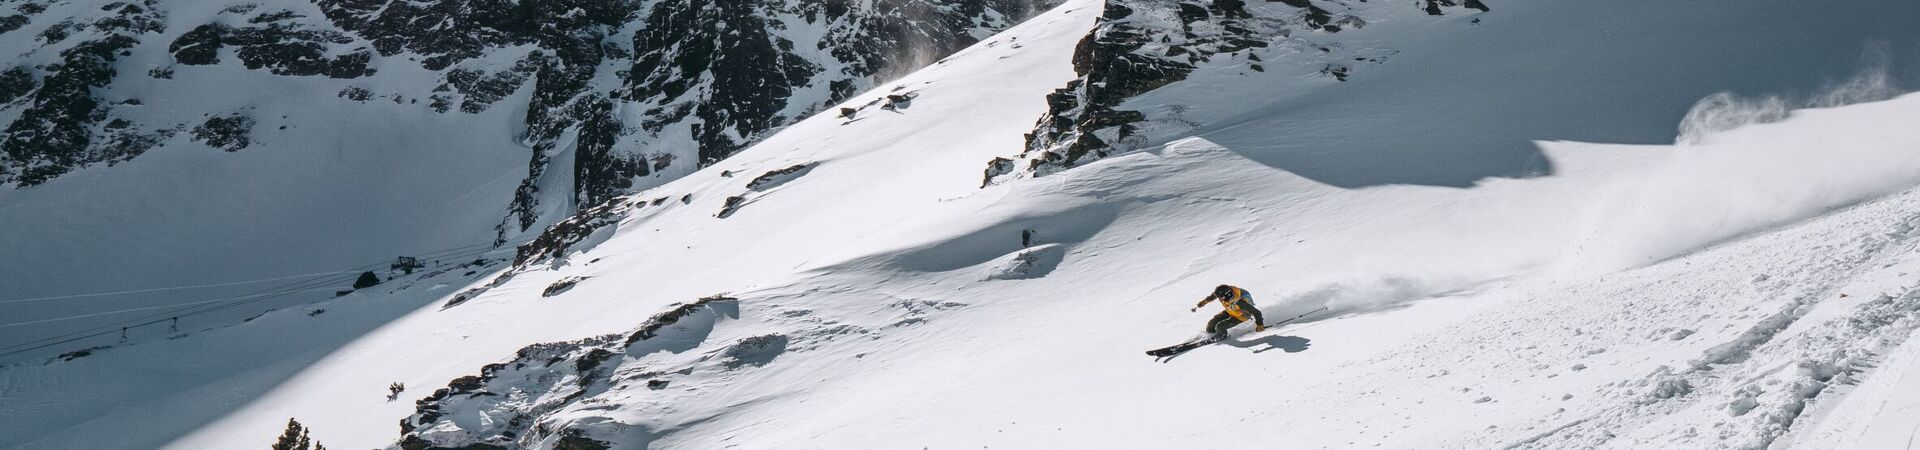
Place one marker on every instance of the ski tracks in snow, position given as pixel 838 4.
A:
pixel 1827 327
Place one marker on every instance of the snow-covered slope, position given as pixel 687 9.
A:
pixel 1747 287
pixel 152 148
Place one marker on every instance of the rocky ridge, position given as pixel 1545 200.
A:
pixel 1142 45
pixel 633 93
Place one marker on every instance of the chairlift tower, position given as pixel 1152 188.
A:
pixel 406 264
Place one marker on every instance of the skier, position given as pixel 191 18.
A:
pixel 1239 304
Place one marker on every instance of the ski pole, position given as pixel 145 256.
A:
pixel 1290 319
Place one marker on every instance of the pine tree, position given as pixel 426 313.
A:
pixel 367 279
pixel 291 439
pixel 296 438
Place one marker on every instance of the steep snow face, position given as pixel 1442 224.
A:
pixel 160 144
pixel 288 180
pixel 1141 46
pixel 998 87
pixel 874 295
pixel 1400 95
pixel 1436 307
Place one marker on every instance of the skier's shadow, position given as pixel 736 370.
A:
pixel 1289 344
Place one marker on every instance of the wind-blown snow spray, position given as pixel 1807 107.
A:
pixel 1726 111
pixel 1735 171
pixel 1362 295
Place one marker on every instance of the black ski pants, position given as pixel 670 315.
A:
pixel 1221 322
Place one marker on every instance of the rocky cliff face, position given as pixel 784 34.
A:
pixel 1141 45
pixel 55 123
pixel 538 399
pixel 701 80
pixel 629 93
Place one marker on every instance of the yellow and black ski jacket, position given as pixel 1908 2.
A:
pixel 1239 305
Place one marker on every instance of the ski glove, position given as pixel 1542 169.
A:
pixel 1259 327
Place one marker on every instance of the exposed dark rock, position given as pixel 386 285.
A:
pixel 131 18
pixel 751 71
pixel 1190 13
pixel 561 286
pixel 747 63
pixel 520 211
pixel 77 354
pixel 58 32
pixel 51 136
pixel 896 102
pixel 231 133
pixel 16 83
pixel 1112 70
pixel 448 32
pixel 572 440
pixel 415 443
pixel 61 129
pixel 274 43
pixel 591 365
pixel 1432 7
pixel 653 325
pixel 356 93
pixel 690 82
pixel 569 32
pixel 599 172
pixel 481 89
pixel 275 17
pixel 288 49
pixel 558 238
pixel 996 168
pixel 12 22
pixel 1313 16
pixel 462 297
pixel 123 142
pixel 592 359
pixel 440 103
pixel 731 205
pixel 198 47
pixel 1338 72
pixel 778 177
pixel 757 351
pixel 763 182
pixel 1142 45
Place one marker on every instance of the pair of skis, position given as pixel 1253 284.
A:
pixel 1175 350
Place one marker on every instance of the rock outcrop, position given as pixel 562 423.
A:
pixel 1142 45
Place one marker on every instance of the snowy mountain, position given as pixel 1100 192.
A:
pixel 251 140
pixel 1530 225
